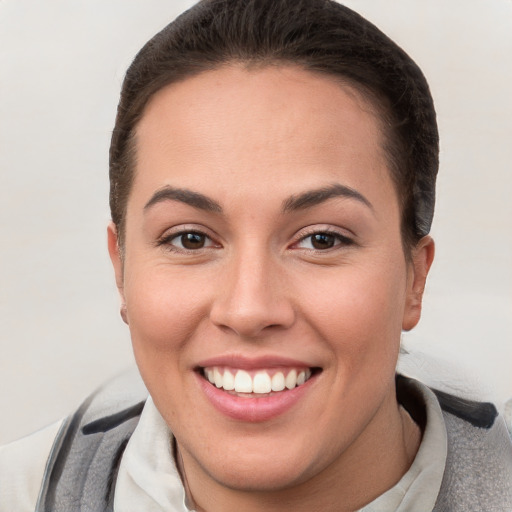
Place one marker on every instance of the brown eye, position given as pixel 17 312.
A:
pixel 186 242
pixel 323 241
pixel 192 241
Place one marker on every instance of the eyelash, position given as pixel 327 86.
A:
pixel 339 241
pixel 167 241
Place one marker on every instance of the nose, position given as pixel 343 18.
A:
pixel 253 297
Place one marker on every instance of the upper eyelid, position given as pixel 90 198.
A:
pixel 303 233
pixel 312 230
pixel 340 237
pixel 186 228
pixel 344 240
pixel 176 231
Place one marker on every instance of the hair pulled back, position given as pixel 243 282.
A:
pixel 321 36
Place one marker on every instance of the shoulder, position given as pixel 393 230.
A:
pixel 22 466
pixel 479 461
pixel 52 463
pixel 478 466
pixel 82 469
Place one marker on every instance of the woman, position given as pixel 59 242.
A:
pixel 272 176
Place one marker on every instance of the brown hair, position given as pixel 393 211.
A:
pixel 321 36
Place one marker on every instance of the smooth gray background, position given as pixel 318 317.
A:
pixel 61 66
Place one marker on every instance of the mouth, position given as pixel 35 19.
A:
pixel 258 389
pixel 260 383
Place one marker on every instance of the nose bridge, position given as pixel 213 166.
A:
pixel 253 297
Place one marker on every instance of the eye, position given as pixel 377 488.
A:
pixel 323 240
pixel 187 241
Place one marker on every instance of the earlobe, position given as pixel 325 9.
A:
pixel 117 263
pixel 422 258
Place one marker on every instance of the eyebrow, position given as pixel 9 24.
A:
pixel 183 195
pixel 302 201
pixel 315 197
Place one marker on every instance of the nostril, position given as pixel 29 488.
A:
pixel 250 299
pixel 252 321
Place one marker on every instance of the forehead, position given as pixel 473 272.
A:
pixel 279 123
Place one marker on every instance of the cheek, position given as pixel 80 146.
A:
pixel 359 311
pixel 163 312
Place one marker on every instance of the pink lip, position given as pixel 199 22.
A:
pixel 248 409
pixel 245 363
pixel 253 410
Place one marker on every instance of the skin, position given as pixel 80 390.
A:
pixel 251 139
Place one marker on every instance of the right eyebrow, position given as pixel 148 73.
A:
pixel 183 195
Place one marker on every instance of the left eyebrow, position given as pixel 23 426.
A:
pixel 317 196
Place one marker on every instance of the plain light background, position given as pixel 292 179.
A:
pixel 61 66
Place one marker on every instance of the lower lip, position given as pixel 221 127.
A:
pixel 253 410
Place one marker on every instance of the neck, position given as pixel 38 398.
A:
pixel 374 463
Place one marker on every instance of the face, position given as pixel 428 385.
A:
pixel 263 253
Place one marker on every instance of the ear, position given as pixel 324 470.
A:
pixel 117 263
pixel 422 258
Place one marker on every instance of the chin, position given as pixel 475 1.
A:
pixel 261 465
pixel 248 476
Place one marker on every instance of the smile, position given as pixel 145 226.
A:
pixel 256 382
pixel 257 390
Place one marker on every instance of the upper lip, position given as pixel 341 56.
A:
pixel 253 363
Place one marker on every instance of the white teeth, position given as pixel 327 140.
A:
pixel 229 381
pixel 278 382
pixel 243 382
pixel 217 377
pixel 291 379
pixel 262 383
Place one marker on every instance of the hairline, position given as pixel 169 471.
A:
pixel 378 107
